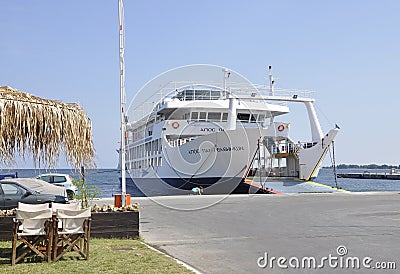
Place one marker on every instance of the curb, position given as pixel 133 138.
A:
pixel 191 268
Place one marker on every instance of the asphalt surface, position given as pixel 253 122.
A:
pixel 233 234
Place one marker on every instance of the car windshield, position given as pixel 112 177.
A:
pixel 13 189
pixel 59 179
pixel 44 178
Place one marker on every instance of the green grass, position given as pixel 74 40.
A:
pixel 106 256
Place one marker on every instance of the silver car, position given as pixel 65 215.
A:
pixel 59 179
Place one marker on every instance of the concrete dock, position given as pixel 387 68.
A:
pixel 229 234
pixel 368 175
pixel 233 234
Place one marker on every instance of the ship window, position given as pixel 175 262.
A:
pixel 261 118
pixel 253 118
pixel 215 94
pixel 195 116
pixel 160 117
pixel 214 116
pixel 188 94
pixel 186 116
pixel 203 116
pixel 224 117
pixel 243 117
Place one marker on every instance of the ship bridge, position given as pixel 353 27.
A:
pixel 199 92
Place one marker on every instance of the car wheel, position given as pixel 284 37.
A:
pixel 70 194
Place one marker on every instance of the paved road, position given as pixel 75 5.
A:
pixel 228 235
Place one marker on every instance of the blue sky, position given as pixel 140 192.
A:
pixel 346 51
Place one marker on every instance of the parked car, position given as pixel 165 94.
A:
pixel 29 191
pixel 59 179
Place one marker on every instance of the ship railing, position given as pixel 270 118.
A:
pixel 284 148
pixel 284 92
pixel 291 147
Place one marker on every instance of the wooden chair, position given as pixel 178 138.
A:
pixel 70 206
pixel 74 234
pixel 34 231
pixel 31 208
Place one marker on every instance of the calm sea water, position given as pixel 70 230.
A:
pixel 326 176
pixel 107 180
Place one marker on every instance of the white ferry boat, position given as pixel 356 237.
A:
pixel 208 127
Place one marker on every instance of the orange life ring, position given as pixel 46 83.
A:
pixel 175 125
pixel 281 127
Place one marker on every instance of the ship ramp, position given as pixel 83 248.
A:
pixel 290 186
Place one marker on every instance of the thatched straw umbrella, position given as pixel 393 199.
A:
pixel 43 128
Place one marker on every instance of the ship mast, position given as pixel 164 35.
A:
pixel 122 100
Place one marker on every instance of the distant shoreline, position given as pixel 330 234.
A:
pixel 54 169
pixel 370 166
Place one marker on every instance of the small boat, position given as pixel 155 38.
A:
pixel 8 175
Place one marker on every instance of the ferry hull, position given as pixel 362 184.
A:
pixel 174 186
pixel 216 162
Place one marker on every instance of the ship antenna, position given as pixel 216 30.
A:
pixel 271 81
pixel 122 101
pixel 271 88
pixel 227 73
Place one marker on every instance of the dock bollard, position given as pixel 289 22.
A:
pixel 118 200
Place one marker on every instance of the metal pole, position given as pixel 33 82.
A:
pixel 122 100
pixel 334 164
pixel 85 202
pixel 83 174
pixel 259 160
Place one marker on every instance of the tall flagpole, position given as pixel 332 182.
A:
pixel 122 99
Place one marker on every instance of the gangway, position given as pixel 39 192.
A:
pixel 290 186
